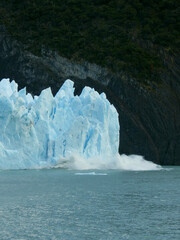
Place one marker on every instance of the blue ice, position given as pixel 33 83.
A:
pixel 45 131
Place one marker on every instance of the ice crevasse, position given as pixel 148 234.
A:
pixel 79 132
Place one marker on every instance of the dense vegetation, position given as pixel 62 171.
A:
pixel 107 32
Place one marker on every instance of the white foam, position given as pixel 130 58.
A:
pixel 121 162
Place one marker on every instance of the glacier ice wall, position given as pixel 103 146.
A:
pixel 46 130
pixel 79 132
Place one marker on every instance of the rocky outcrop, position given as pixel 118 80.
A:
pixel 149 117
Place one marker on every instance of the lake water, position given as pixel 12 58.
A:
pixel 63 204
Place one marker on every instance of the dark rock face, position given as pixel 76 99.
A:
pixel 149 119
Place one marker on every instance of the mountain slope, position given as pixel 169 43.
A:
pixel 106 32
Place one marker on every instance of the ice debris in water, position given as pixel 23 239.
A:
pixel 79 132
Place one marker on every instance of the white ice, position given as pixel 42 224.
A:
pixel 78 132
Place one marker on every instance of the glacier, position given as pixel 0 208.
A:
pixel 76 132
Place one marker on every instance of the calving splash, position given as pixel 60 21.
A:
pixel 75 132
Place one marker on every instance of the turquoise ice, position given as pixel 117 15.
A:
pixel 46 130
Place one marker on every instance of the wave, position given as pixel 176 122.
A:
pixel 91 173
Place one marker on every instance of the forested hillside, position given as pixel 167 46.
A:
pixel 122 35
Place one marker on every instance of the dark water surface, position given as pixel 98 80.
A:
pixel 61 204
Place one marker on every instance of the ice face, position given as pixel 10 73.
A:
pixel 79 132
pixel 46 131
